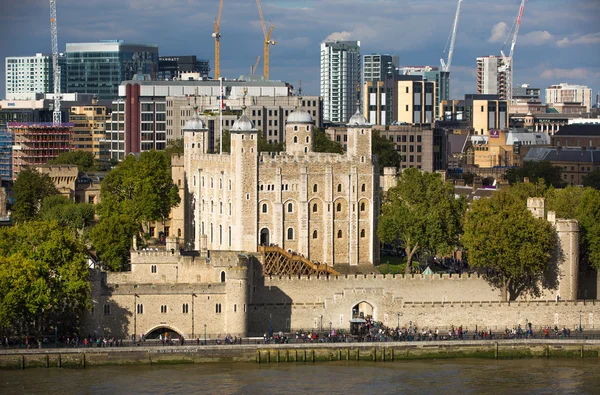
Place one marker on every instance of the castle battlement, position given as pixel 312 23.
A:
pixel 368 278
pixel 224 158
pixel 164 289
pixel 311 157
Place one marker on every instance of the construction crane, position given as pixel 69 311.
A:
pixel 507 67
pixel 56 115
pixel 253 68
pixel 268 40
pixel 217 36
pixel 452 40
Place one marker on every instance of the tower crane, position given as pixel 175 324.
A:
pixel 268 40
pixel 56 114
pixel 507 67
pixel 217 36
pixel 446 64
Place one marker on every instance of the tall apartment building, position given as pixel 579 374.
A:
pixel 378 67
pixel 567 93
pixel 27 76
pixel 100 67
pixel 434 74
pixel 37 143
pixel 171 67
pixel 89 130
pixel 490 79
pixel 340 79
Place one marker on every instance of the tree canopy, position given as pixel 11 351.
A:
pixel 592 179
pixel 421 213
pixel 43 279
pixel 31 187
pixel 174 147
pixel 385 151
pixel 112 238
pixel 83 159
pixel 322 143
pixel 514 248
pixel 536 170
pixel 76 216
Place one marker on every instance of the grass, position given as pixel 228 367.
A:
pixel 391 265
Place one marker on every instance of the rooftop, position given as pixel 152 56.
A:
pixel 579 130
pixel 562 155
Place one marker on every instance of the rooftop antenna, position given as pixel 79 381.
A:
pixel 299 87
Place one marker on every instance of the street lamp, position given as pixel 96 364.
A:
pixel 135 296
pixel 330 326
pixel 270 324
pixel 193 297
pixel 321 316
pixel 580 326
pixel 205 334
pixel 399 314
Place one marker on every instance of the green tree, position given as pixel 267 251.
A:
pixel 174 147
pixel 592 179
pixel 112 238
pixel 77 216
pixel 43 279
pixel 322 143
pixel 536 170
pixel 140 187
pixel 582 204
pixel 83 159
pixel 385 150
pixel 421 213
pixel 504 238
pixel 31 187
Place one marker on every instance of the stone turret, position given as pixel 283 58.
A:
pixel 359 138
pixel 299 133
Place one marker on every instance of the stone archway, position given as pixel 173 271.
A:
pixel 264 237
pixel 156 331
pixel 363 310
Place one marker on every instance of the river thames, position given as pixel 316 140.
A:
pixel 458 376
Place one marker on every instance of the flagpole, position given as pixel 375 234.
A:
pixel 221 118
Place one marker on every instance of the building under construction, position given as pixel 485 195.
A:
pixel 37 143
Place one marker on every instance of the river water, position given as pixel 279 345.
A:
pixel 461 376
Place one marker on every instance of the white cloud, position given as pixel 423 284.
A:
pixel 360 32
pixel 499 32
pixel 537 37
pixel 339 36
pixel 576 73
pixel 593 38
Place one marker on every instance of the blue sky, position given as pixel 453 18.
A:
pixel 559 40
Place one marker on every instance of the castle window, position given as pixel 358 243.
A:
pixel 218 308
pixel 295 128
pixel 211 182
pixel 307 139
pixel 222 277
pixel 290 208
pixel 106 309
pixel 153 269
pixel 195 181
pixel 295 139
pixel 220 207
pixel 307 129
pixel 229 234
pixel 362 206
pixel 202 180
pixel 315 234
pixel 362 233
pixel 140 309
pixel 212 207
pixel 363 188
pixel 339 234
pixel 193 145
pixel 220 234
pixel 185 308
pixel 264 208
pixel 305 150
pixel 315 208
pixel 339 187
pixel 290 234
pixel 230 185
pixel 163 309
pixel 229 208
pixel 338 207
pixel 315 188
pixel 220 183
pixel 179 232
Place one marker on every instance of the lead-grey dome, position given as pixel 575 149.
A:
pixel 298 116
pixel 194 123
pixel 243 124
pixel 358 120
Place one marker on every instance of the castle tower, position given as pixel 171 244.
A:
pixel 195 136
pixel 537 206
pixel 244 170
pixel 359 138
pixel 299 133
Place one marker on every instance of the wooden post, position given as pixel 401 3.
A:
pixel 268 356
pixel 59 361
pixel 23 361
pixel 582 351
pixel 347 354
pixel 313 355
pixel 258 356
pixel 383 355
pixel 496 351
pixel 47 361
pixel 83 359
pixel 374 354
pixel 392 354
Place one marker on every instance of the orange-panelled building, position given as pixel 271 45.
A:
pixel 37 143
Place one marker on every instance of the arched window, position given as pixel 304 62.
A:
pixel 264 208
pixel 315 188
pixel 338 207
pixel 363 188
pixel 339 234
pixel 307 139
pixel 212 184
pixel 315 208
pixel 212 207
pixel 362 206
pixel 315 234
pixel 295 128
pixel 220 207
pixel 222 277
pixel 290 234
pixel 179 232
pixel 362 233
pixel 195 181
pixel 295 139
pixel 339 187
pixel 229 208
pixel 305 149
pixel 290 207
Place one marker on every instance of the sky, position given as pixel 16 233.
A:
pixel 559 40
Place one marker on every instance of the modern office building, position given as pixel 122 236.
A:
pixel 100 67
pixel 27 76
pixel 483 112
pixel 490 79
pixel 6 143
pixel 567 93
pixel 37 143
pixel 434 74
pixel 172 67
pixel 378 102
pixel 525 93
pixel 89 130
pixel 378 67
pixel 340 79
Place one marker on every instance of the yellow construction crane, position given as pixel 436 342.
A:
pixel 268 40
pixel 217 35
pixel 253 68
